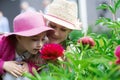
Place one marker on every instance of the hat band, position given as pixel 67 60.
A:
pixel 60 19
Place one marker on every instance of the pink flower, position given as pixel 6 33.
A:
pixel 87 40
pixel 117 54
pixel 51 51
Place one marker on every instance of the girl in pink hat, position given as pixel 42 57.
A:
pixel 19 47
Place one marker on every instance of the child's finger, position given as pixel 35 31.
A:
pixel 14 74
pixel 25 67
pixel 18 73
pixel 18 70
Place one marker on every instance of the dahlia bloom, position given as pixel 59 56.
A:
pixel 51 51
pixel 117 54
pixel 87 40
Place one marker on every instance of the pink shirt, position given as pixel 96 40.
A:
pixel 7 52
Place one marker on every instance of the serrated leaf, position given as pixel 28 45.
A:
pixel 102 6
pixel 111 9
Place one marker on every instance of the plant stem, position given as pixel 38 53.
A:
pixel 114 19
pixel 81 55
pixel 113 14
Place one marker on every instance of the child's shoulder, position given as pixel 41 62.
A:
pixel 3 37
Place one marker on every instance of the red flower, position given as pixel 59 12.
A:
pixel 87 40
pixel 51 51
pixel 117 54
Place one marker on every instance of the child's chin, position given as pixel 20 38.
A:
pixel 34 53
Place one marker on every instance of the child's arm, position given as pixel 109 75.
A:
pixel 1 54
pixel 1 66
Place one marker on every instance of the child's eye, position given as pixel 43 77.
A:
pixel 52 26
pixel 35 39
pixel 43 39
pixel 63 30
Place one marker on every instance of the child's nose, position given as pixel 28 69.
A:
pixel 40 44
pixel 56 33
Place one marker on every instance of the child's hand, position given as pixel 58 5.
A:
pixel 13 68
pixel 25 67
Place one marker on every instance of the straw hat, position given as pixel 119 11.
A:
pixel 29 24
pixel 64 13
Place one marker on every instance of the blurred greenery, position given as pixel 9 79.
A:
pixel 75 35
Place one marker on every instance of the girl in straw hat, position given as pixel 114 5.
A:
pixel 62 16
pixel 22 44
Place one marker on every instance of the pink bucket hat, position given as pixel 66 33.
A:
pixel 29 24
pixel 63 12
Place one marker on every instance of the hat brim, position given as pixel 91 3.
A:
pixel 61 22
pixel 31 32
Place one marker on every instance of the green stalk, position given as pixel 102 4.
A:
pixel 114 19
pixel 81 56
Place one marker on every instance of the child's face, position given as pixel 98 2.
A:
pixel 60 33
pixel 32 44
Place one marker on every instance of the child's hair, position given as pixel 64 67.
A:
pixel 35 58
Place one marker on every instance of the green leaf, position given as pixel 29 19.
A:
pixel 75 35
pixel 102 21
pixel 96 71
pixel 30 76
pixel 102 6
pixel 36 74
pixel 117 5
pixel 111 9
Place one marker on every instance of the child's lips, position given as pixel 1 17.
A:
pixel 36 50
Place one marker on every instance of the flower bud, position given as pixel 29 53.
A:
pixel 87 40
pixel 117 52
